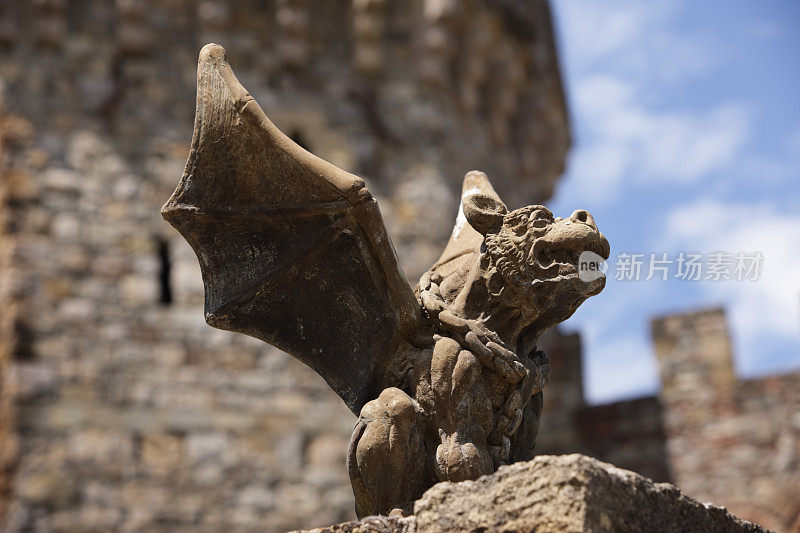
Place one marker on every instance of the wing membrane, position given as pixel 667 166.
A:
pixel 293 250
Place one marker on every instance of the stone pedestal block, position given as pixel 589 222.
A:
pixel 567 493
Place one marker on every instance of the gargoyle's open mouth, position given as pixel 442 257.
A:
pixel 566 261
pixel 560 259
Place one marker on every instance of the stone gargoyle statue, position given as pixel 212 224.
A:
pixel 446 379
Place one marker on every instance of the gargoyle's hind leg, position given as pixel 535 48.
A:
pixel 386 457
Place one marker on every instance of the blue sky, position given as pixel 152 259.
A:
pixel 686 125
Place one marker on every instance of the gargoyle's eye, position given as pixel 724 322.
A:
pixel 541 218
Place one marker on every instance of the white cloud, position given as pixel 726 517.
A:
pixel 625 142
pixel 633 38
pixel 619 56
pixel 595 94
pixel 689 146
pixel 765 312
pixel 595 31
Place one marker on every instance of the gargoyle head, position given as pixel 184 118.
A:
pixel 525 274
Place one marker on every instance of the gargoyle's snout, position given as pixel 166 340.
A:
pixel 579 232
pixel 581 215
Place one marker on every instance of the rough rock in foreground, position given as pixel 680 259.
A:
pixel 556 494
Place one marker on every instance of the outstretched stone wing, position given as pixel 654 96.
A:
pixel 293 250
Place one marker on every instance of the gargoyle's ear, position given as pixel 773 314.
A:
pixel 482 207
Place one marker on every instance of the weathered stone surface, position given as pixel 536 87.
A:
pixel 567 493
pixel 556 494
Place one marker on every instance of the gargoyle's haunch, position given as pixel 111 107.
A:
pixel 446 379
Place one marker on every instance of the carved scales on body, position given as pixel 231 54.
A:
pixel 446 380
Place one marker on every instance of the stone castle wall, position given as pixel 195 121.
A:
pixel 120 408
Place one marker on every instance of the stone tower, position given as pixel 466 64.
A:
pixel 697 382
pixel 694 355
pixel 120 409
pixel 731 441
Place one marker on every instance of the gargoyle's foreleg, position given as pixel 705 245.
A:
pixel 386 458
pixel 463 413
